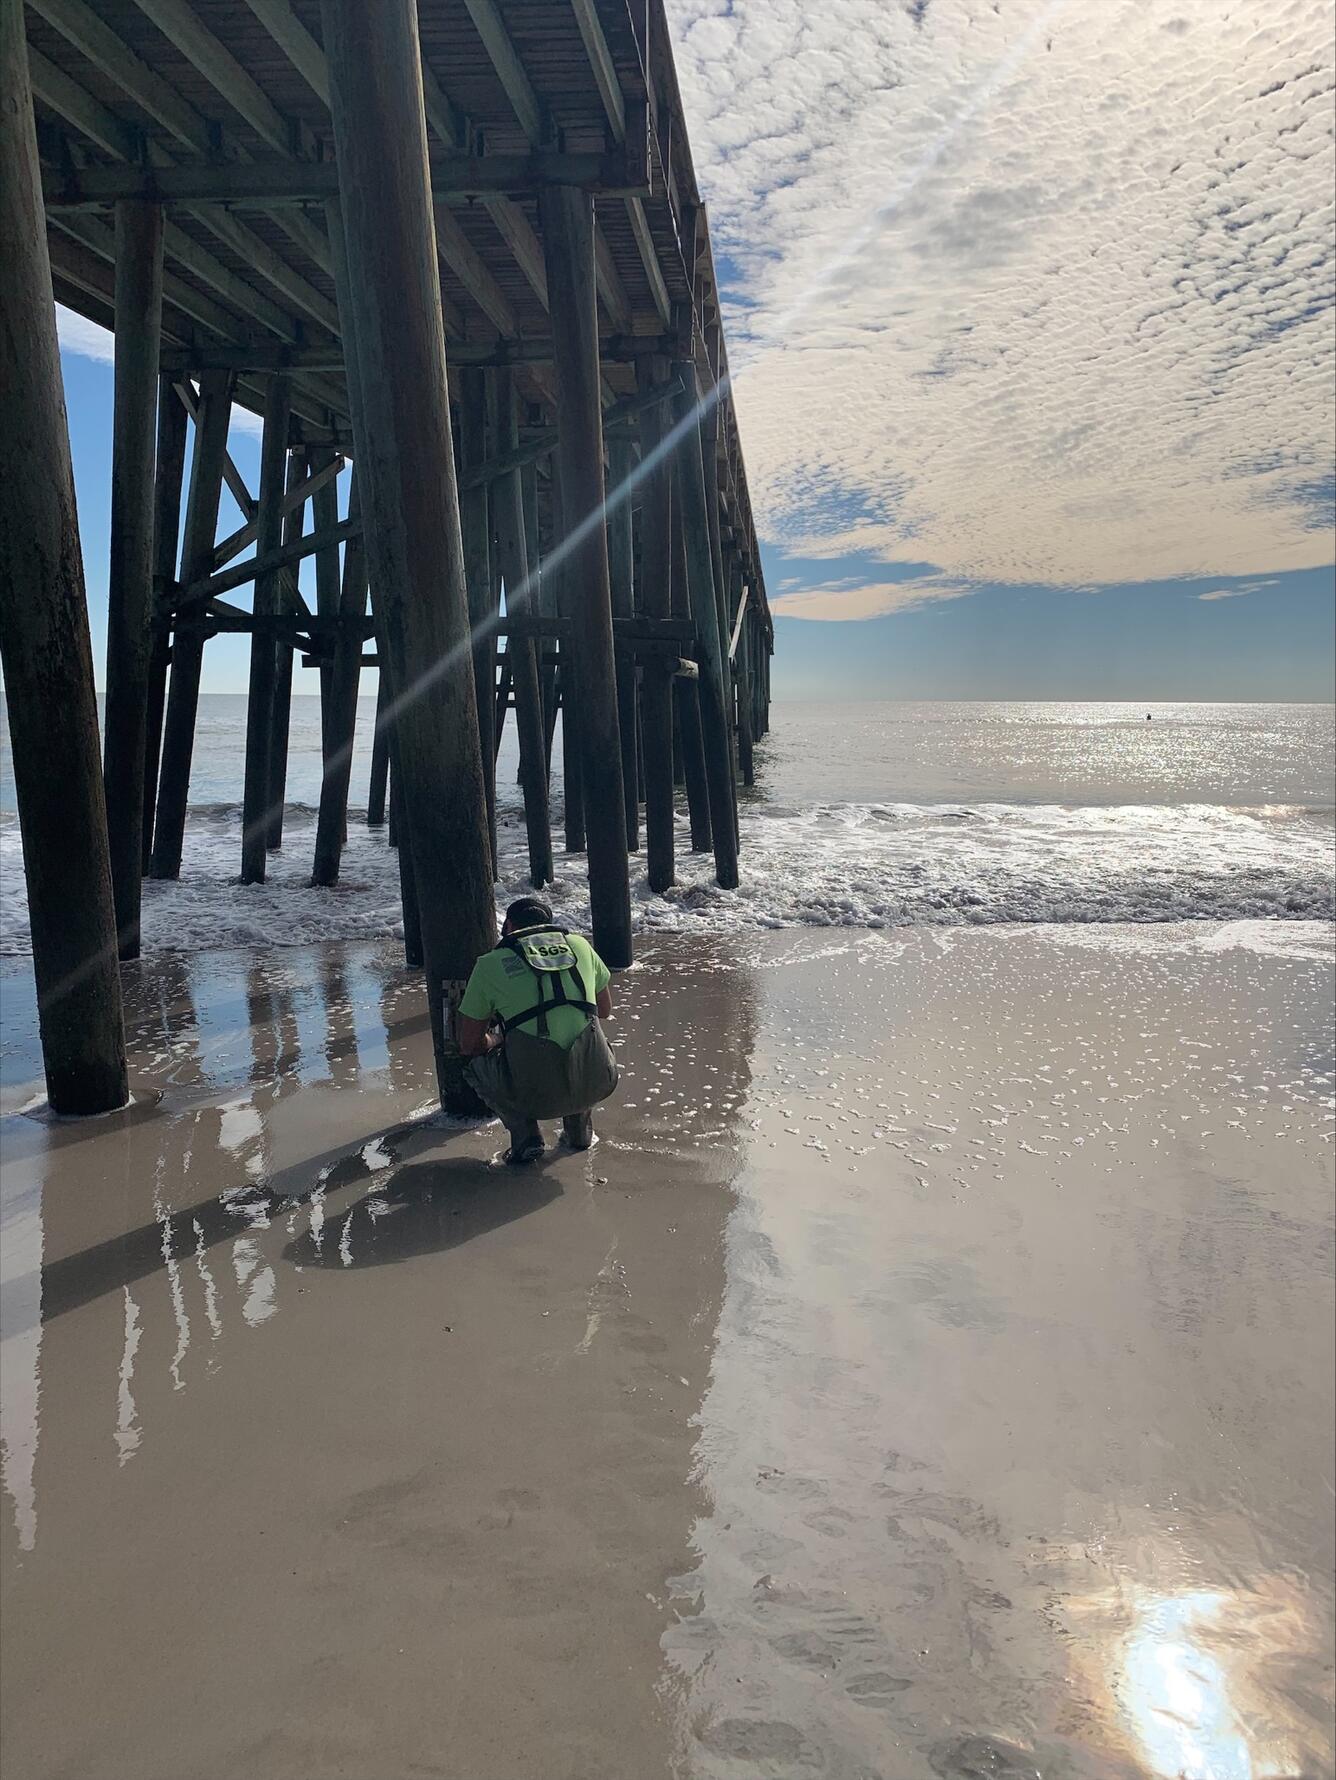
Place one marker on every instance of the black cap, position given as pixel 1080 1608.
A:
pixel 529 911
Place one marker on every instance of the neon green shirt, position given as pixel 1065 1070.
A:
pixel 502 986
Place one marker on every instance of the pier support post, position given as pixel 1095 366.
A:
pixel 540 602
pixel 285 601
pixel 656 683
pixel 745 696
pixel 508 517
pixel 621 567
pixel 331 830
pixel 568 251
pixel 138 317
pixel 475 529
pixel 380 761
pixel 401 420
pixel 688 742
pixel 705 612
pixel 178 739
pixel 45 644
pixel 263 655
pixel 170 473
pixel 325 517
pixel 565 600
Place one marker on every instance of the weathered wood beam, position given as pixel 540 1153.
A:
pixel 296 42
pixel 263 660
pixel 467 264
pixel 737 626
pixel 233 477
pixel 182 26
pixel 272 355
pixel 515 230
pixel 611 290
pixel 80 25
pixel 233 289
pixel 63 95
pixel 510 71
pixel 66 97
pixel 621 569
pixel 178 737
pixel 545 439
pixel 656 693
pixel 714 683
pixel 614 106
pixel 344 673
pixel 48 658
pixel 261 259
pixel 507 503
pixel 283 556
pixel 130 575
pixel 169 473
pixel 568 243
pixel 241 539
pixel 265 184
pixel 289 594
pixel 390 293
pixel 600 60
pixel 649 259
pixel 476 537
pixel 96 236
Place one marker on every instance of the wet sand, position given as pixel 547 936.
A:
pixel 930 1373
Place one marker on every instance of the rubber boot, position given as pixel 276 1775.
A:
pixel 526 1143
pixel 578 1130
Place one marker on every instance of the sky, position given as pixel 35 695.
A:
pixel 1029 306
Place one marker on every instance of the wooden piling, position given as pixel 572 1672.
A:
pixel 380 761
pixel 656 682
pixel 565 599
pixel 621 568
pixel 325 518
pixel 402 842
pixel 568 251
pixel 540 601
pixel 512 551
pixel 401 420
pixel 168 479
pixel 45 645
pixel 138 318
pixel 475 529
pixel 688 741
pixel 263 659
pixel 178 738
pixel 704 611
pixel 501 704
pixel 294 523
pixel 345 677
pixel 745 694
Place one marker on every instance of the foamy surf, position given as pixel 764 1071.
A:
pixel 831 865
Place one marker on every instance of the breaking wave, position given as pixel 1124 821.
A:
pixel 875 865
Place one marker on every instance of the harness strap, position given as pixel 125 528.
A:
pixel 559 997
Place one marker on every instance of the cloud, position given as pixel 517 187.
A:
pixel 1235 593
pixel 842 602
pixel 1041 291
pixel 85 338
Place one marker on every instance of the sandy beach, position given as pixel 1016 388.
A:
pixel 928 1374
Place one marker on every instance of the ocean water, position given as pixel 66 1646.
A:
pixel 863 815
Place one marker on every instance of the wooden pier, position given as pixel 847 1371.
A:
pixel 460 244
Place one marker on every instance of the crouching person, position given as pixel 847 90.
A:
pixel 529 1020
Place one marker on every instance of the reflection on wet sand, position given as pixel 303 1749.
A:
pixel 927 1377
pixel 1018 1434
pixel 283 1344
